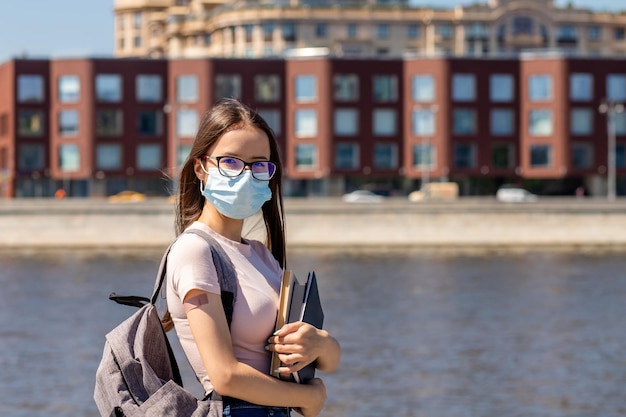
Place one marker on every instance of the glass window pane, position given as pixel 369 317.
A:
pixel 620 156
pixel 227 86
pixel 540 156
pixel 186 123
pixel 108 122
pixel 109 88
pixel 30 157
pixel 149 122
pixel 306 156
pixel 30 123
pixel 272 117
pixel 464 122
pixel 148 157
pixel 30 89
pixel 502 122
pixel 463 87
pixel 464 155
pixel 149 88
pixel 502 156
pixel 385 88
pixel 501 88
pixel 306 88
pixel 267 88
pixel 424 156
pixel 183 154
pixel 68 122
pixel 582 155
pixel 384 122
pixel 616 87
pixel 186 89
pixel 346 87
pixel 541 123
pixel 69 158
pixel 423 88
pixel 306 123
pixel 109 157
pixel 347 156
pixel 580 87
pixel 540 87
pixel 423 122
pixel 620 123
pixel 69 88
pixel 581 121
pixel 386 156
pixel 346 122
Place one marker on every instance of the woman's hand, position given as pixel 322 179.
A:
pixel 299 344
pixel 317 397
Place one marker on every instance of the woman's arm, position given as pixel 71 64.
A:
pixel 299 344
pixel 235 379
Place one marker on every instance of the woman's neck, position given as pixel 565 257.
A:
pixel 227 227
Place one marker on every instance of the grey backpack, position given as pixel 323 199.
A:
pixel 138 375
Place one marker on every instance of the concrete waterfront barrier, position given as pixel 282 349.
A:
pixel 329 223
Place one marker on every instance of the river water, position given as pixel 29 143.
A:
pixel 424 334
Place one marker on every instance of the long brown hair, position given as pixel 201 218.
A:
pixel 226 115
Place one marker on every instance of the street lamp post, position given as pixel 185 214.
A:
pixel 610 108
pixel 426 113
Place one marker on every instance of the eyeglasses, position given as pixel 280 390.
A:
pixel 229 166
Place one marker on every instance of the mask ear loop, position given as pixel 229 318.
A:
pixel 202 186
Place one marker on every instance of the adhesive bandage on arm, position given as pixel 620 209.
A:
pixel 195 302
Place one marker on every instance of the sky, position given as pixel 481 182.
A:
pixel 70 28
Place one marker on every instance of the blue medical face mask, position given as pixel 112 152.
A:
pixel 235 197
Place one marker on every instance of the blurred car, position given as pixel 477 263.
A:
pixel 515 194
pixel 127 196
pixel 362 196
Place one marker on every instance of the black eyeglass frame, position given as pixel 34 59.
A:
pixel 245 164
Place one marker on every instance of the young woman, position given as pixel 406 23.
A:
pixel 232 172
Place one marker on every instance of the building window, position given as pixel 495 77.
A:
pixel 149 88
pixel 346 87
pixel 268 32
pixel 267 88
pixel 30 89
pixel 69 88
pixel 137 41
pixel 227 86
pixel 183 154
pixel 109 88
pixel 385 88
pixel 382 31
pixel 385 156
pixel 616 87
pixel 272 117
pixel 321 30
pixel 464 122
pixel 444 30
pixel 248 31
pixel 306 123
pixel 306 88
pixel 412 31
pixel 30 123
pixel 463 87
pixel 108 122
pixel 207 39
pixel 582 155
pixel 464 155
pixel 347 156
pixel 523 25
pixel 620 155
pixel 137 20
pixel 620 123
pixel 148 157
pixel 352 30
pixel 289 32
pixel 502 122
pixel 346 122
pixel 424 156
pixel 580 87
pixel 423 88
pixel 594 33
pixel 384 122
pixel 149 123
pixel 581 121
pixel 501 88
pixel 186 123
pixel 502 156
pixel 540 156
pixel 567 33
pixel 30 157
pixel 423 122
pixel 306 156
pixel 69 158
pixel 619 34
pixel 109 157
pixel 541 123
pixel 540 87
pixel 187 89
pixel 68 122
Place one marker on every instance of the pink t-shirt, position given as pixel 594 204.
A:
pixel 190 266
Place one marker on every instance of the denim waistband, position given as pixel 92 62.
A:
pixel 236 403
